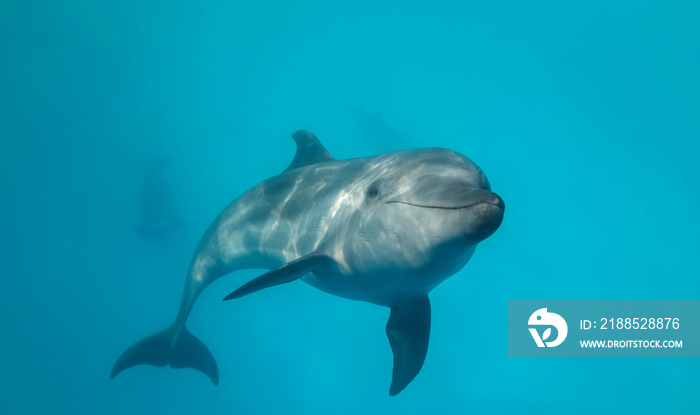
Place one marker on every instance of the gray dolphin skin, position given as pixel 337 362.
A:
pixel 385 230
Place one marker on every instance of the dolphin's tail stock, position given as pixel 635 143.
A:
pixel 169 347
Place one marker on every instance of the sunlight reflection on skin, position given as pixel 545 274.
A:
pixel 392 223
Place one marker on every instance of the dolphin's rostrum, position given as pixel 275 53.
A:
pixel 385 230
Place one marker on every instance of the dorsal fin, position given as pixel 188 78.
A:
pixel 309 150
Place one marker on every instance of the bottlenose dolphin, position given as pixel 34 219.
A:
pixel 156 211
pixel 385 229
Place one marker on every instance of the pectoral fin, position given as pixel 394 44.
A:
pixel 288 272
pixel 408 331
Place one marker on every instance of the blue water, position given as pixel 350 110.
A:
pixel 584 116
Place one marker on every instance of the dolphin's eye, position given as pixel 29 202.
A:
pixel 373 191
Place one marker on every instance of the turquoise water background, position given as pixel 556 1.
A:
pixel 584 116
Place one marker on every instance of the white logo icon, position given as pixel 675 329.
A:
pixel 542 318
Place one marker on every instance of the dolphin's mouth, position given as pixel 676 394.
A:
pixel 442 207
pixel 495 202
pixel 450 199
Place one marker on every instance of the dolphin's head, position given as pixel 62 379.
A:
pixel 434 194
pixel 423 207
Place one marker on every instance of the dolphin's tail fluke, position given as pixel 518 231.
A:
pixel 162 349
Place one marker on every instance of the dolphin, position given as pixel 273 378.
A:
pixel 156 207
pixel 385 230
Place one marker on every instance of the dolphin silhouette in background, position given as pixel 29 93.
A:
pixel 385 229
pixel 375 125
pixel 156 219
